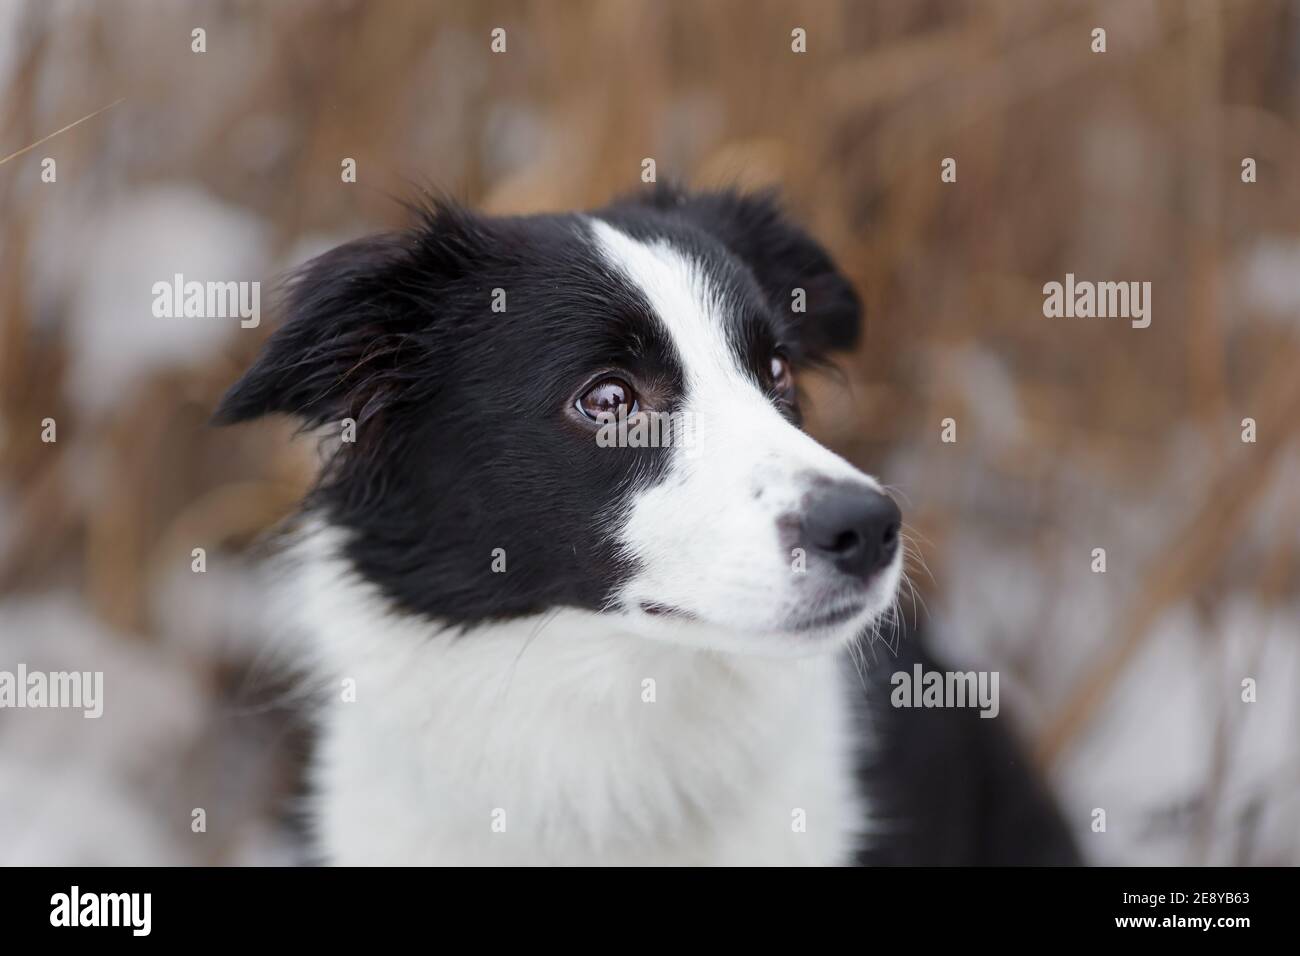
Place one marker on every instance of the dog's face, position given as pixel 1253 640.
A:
pixel 595 411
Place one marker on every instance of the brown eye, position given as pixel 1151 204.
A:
pixel 782 375
pixel 605 397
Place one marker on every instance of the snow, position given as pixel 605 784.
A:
pixel 104 266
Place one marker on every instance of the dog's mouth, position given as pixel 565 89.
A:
pixel 827 619
pixel 815 622
pixel 666 610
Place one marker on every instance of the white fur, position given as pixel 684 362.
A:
pixel 545 719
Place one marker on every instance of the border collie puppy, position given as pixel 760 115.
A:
pixel 567 649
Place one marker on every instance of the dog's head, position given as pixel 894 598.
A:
pixel 596 411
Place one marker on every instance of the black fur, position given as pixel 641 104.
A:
pixel 949 788
pixel 780 256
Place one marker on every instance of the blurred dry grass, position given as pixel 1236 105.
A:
pixel 1119 166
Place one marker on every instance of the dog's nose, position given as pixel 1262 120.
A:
pixel 855 527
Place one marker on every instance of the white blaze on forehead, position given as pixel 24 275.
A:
pixel 729 411
pixel 679 292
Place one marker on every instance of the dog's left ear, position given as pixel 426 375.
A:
pixel 357 334
pixel 783 258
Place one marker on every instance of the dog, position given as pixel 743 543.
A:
pixel 547 644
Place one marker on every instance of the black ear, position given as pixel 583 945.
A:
pixel 782 257
pixel 357 333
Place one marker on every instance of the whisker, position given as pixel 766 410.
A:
pixel 898 492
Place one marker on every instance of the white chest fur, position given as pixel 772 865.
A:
pixel 558 740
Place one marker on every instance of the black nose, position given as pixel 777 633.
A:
pixel 855 527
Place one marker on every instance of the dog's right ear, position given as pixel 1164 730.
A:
pixel 783 257
pixel 357 333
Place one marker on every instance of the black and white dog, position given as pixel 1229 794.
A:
pixel 566 649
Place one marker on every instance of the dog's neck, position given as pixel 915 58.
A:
pixel 563 739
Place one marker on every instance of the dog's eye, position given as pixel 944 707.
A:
pixel 782 375
pixel 606 396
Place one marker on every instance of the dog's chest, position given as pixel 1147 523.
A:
pixel 549 742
